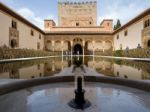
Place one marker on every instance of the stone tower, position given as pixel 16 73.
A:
pixel 77 14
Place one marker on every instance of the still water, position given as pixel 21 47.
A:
pixel 127 69
pixel 55 98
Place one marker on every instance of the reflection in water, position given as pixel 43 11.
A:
pixel 48 67
pixel 54 98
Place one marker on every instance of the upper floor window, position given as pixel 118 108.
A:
pixel 48 24
pixel 39 36
pixel 14 24
pixel 32 33
pixel 107 24
pixel 125 32
pixel 77 24
pixel 147 23
pixel 117 37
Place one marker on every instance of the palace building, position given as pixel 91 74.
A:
pixel 77 31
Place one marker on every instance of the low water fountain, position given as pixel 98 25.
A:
pixel 79 102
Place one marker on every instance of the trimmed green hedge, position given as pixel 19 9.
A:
pixel 134 53
pixel 118 53
pixel 6 53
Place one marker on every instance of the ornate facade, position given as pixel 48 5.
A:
pixel 77 14
pixel 76 33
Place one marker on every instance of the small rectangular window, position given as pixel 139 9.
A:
pixel 146 23
pixel 32 33
pixel 107 24
pixel 14 24
pixel 126 33
pixel 117 37
pixel 77 24
pixel 39 36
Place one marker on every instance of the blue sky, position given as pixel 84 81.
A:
pixel 38 10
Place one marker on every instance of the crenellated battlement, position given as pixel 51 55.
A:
pixel 77 13
pixel 76 3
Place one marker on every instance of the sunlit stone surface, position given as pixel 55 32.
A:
pixel 54 98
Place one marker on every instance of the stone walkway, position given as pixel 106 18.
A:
pixel 110 57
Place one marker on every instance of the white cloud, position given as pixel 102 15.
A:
pixel 124 13
pixel 30 15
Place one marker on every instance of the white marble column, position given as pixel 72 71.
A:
pixel 83 50
pixel 53 44
pixel 62 47
pixel 104 46
pixel 71 50
pixel 93 48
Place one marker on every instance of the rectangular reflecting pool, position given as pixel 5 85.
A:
pixel 136 70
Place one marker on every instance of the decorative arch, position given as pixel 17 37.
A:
pixel 108 45
pixel 89 45
pixel 49 46
pixel 58 46
pixel 76 40
pixel 78 49
pixel 67 45
pixel 98 45
pixel 13 43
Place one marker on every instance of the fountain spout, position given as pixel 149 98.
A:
pixel 79 92
pixel 79 102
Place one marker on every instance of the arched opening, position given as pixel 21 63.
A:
pixel 99 46
pixel 108 45
pixel 58 46
pixel 13 43
pixel 67 46
pixel 77 49
pixel 148 44
pixel 88 47
pixel 49 46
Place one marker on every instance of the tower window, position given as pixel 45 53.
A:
pixel 90 22
pixel 77 24
pixel 48 24
pixel 107 24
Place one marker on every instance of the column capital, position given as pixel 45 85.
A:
pixel 83 43
pixel 71 43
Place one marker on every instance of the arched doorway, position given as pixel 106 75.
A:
pixel 77 49
pixel 148 44
pixel 13 43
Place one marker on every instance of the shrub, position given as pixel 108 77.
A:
pixel 118 53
